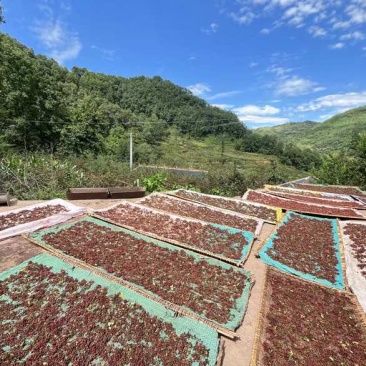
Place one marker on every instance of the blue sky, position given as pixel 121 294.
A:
pixel 268 61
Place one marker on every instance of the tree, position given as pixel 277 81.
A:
pixel 335 168
pixel 43 106
pixel 2 20
pixel 154 131
pixel 359 148
pixel 342 168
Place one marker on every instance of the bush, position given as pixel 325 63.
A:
pixel 38 177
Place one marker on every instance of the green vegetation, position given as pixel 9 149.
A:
pixel 334 134
pixel 287 152
pixel 62 128
pixel 45 107
pixel 341 140
pixel 1 15
pixel 288 132
pixel 45 176
pixel 345 168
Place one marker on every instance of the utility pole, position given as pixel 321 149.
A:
pixel 131 154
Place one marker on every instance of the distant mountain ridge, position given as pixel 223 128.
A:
pixel 334 134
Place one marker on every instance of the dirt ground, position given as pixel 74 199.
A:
pixel 239 352
pixel 16 250
pixel 235 353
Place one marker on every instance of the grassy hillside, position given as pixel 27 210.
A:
pixel 333 134
pixel 212 155
pixel 288 131
pixel 230 172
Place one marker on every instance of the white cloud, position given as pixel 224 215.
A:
pixel 265 31
pixel 356 35
pixel 67 53
pixel 199 89
pixel 253 64
pixel 259 114
pixel 288 84
pixel 65 6
pixel 297 14
pixel 245 16
pixel 61 43
pixel 223 106
pixel 214 27
pixel 321 18
pixel 295 85
pixel 282 3
pixel 316 31
pixel 279 71
pixel 344 101
pixel 106 54
pixel 337 46
pixel 357 12
pixel 223 95
pixel 267 110
pixel 211 29
pixel 275 100
pixel 263 120
pixel 50 32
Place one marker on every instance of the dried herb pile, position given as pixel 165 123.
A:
pixel 13 219
pixel 306 324
pixel 292 205
pixel 52 318
pixel 245 208
pixel 229 243
pixel 200 212
pixel 208 289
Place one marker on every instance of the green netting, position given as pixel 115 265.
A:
pixel 181 324
pixel 247 235
pixel 338 280
pixel 237 312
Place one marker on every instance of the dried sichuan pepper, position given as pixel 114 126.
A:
pixel 340 197
pixel 246 208
pixel 175 275
pixel 319 200
pixel 306 324
pixel 12 219
pixel 229 243
pixel 328 189
pixel 357 235
pixel 307 245
pixel 42 323
pixel 200 212
pixel 292 205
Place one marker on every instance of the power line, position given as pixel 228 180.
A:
pixel 139 123
pixel 128 122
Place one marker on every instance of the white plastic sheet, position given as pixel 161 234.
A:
pixel 334 196
pixel 71 211
pixel 356 281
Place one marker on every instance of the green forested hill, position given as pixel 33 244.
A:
pixel 333 134
pixel 45 106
